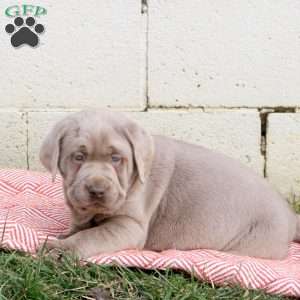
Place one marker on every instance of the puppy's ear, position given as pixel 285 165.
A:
pixel 50 149
pixel 143 149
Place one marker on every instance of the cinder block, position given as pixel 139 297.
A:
pixel 235 133
pixel 224 53
pixel 283 153
pixel 13 148
pixel 90 55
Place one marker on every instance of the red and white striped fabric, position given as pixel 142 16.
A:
pixel 32 208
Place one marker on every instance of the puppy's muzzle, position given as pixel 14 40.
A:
pixel 97 187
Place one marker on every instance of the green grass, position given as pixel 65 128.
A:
pixel 295 203
pixel 25 277
pixel 43 278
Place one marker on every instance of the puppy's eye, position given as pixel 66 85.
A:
pixel 79 157
pixel 116 158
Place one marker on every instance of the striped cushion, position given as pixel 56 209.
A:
pixel 32 208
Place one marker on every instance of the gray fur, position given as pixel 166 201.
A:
pixel 164 194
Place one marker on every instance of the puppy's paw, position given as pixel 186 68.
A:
pixel 54 244
pixel 51 248
pixel 55 253
pixel 56 249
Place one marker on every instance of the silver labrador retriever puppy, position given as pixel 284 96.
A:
pixel 128 189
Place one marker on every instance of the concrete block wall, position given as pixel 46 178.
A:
pixel 223 75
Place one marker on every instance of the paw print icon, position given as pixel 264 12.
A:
pixel 24 32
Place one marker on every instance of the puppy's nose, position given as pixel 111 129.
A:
pixel 96 191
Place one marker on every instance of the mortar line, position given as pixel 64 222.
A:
pixel 27 139
pixel 263 138
pixel 145 10
pixel 275 109
pixel 266 148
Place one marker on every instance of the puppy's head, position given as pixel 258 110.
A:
pixel 100 155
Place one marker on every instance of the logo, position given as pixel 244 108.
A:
pixel 25 30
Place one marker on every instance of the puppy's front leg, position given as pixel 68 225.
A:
pixel 79 222
pixel 73 229
pixel 117 233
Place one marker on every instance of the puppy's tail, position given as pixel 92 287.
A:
pixel 297 236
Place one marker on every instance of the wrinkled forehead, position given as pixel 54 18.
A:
pixel 96 139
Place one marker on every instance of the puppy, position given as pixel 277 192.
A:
pixel 128 189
